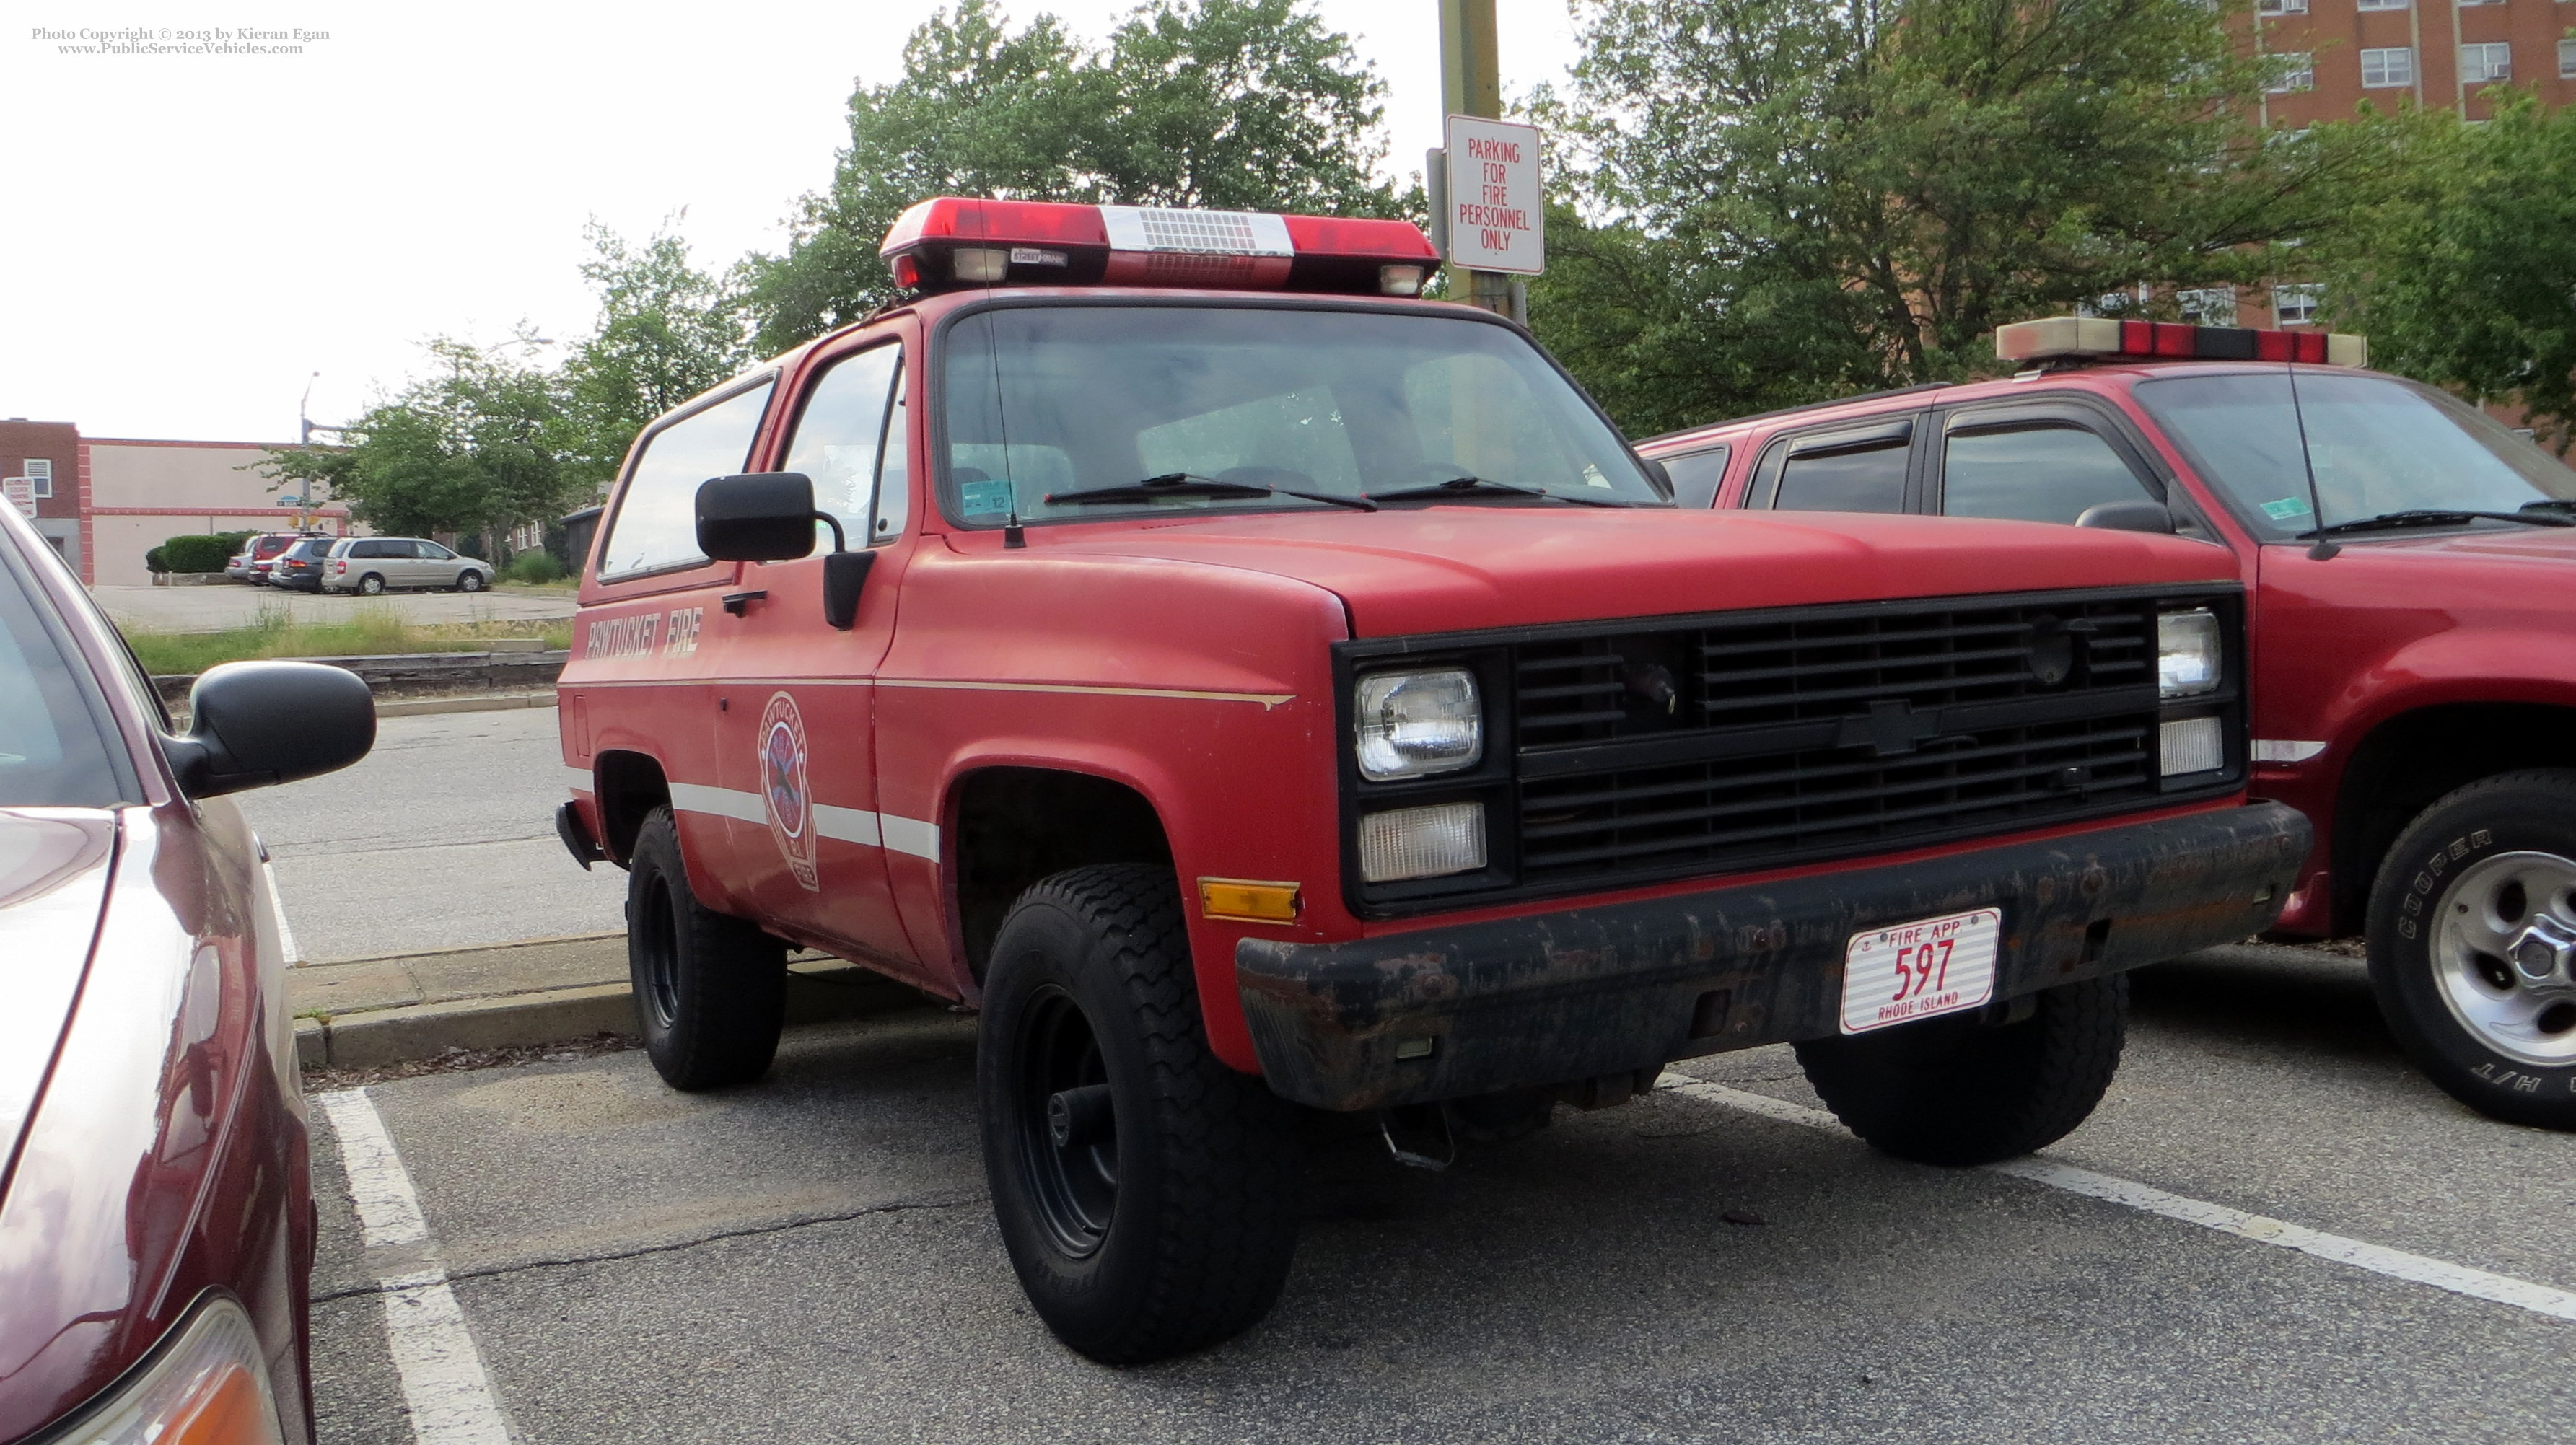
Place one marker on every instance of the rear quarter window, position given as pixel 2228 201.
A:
pixel 656 527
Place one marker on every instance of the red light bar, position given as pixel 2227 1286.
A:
pixel 952 241
pixel 2061 337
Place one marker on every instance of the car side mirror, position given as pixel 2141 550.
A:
pixel 845 576
pixel 758 517
pixel 2128 517
pixel 256 723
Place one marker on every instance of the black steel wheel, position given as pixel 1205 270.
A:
pixel 1147 1194
pixel 710 989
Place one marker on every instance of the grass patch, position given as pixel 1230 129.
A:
pixel 372 629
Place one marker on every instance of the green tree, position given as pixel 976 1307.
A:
pixel 1249 104
pixel 667 331
pixel 1854 193
pixel 2461 267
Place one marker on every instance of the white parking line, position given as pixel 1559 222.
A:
pixel 443 1380
pixel 2378 1259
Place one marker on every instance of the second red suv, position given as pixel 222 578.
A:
pixel 2413 670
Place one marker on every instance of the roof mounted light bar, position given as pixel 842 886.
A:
pixel 953 242
pixel 2058 338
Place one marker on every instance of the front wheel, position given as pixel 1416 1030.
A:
pixel 469 580
pixel 1963 1090
pixel 1147 1194
pixel 710 989
pixel 2473 945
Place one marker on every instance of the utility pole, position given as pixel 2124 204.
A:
pixel 1471 83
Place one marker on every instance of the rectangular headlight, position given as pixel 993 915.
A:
pixel 2191 745
pixel 2189 662
pixel 1415 724
pixel 1422 842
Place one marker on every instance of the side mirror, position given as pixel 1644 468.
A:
pixel 757 517
pixel 257 723
pixel 845 575
pixel 2128 517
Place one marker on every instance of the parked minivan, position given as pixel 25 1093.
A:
pixel 370 565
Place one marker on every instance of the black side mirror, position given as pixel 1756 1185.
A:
pixel 257 723
pixel 757 517
pixel 845 575
pixel 2128 517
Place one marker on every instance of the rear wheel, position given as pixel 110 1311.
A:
pixel 2473 945
pixel 371 585
pixel 710 989
pixel 1147 1194
pixel 1962 1090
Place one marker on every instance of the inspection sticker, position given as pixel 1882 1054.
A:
pixel 1916 970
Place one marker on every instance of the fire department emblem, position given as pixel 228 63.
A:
pixel 785 794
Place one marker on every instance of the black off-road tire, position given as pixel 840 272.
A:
pixel 1962 1091
pixel 1179 1232
pixel 2433 870
pixel 710 989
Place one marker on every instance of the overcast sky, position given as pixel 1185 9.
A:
pixel 187 238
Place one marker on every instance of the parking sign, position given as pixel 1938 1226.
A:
pixel 1496 213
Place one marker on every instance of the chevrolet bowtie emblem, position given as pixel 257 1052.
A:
pixel 1891 728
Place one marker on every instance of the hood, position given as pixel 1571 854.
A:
pixel 53 884
pixel 2480 547
pixel 1456 568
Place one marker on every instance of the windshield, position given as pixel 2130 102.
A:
pixel 57 746
pixel 2379 445
pixel 1058 399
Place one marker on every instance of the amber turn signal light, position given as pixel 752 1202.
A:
pixel 1242 900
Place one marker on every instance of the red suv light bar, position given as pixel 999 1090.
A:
pixel 954 242
pixel 2063 337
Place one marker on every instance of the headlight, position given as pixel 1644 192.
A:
pixel 206 1385
pixel 1414 724
pixel 2188 659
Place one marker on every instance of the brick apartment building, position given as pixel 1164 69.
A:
pixel 2429 53
pixel 105 501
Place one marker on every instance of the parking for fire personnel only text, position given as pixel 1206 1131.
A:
pixel 1496 214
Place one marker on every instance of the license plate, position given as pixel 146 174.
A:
pixel 1916 970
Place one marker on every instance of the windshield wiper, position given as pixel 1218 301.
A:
pixel 2550 504
pixel 2441 516
pixel 1479 487
pixel 1183 484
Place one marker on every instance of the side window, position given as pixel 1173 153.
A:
pixel 435 552
pixel 894 468
pixel 1696 476
pixel 1852 471
pixel 840 435
pixel 2033 473
pixel 657 516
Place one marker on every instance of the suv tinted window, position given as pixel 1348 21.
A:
pixel 1696 476
pixel 2033 473
pixel 840 436
pixel 657 516
pixel 1858 477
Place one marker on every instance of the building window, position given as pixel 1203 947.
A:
pixel 2492 60
pixel 2280 7
pixel 2296 305
pixel 2465 4
pixel 2297 72
pixel 39 471
pixel 2208 305
pixel 2384 4
pixel 2393 66
pixel 2567 60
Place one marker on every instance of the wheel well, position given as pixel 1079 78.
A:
pixel 630 786
pixel 2409 761
pixel 1018 825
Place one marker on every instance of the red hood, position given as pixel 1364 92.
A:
pixel 1454 568
pixel 2481 548
pixel 53 881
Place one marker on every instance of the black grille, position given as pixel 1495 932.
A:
pixel 1740 742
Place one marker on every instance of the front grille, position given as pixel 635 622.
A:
pixel 1741 742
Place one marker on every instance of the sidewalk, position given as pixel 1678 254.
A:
pixel 373 1011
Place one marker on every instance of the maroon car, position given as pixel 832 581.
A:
pixel 156 1221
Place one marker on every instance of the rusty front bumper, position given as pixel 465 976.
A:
pixel 1442 1013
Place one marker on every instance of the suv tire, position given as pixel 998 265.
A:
pixel 371 585
pixel 1147 1194
pixel 1962 1090
pixel 710 989
pixel 470 580
pixel 2486 868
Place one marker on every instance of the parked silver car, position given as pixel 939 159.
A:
pixel 370 565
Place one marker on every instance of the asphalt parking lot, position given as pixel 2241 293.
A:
pixel 810 1258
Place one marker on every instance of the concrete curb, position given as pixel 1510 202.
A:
pixel 422 706
pixel 816 993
